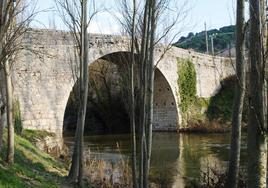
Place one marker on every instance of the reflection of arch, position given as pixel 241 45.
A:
pixel 165 105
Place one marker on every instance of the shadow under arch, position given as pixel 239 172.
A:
pixel 165 104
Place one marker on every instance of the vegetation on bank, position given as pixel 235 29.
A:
pixel 214 177
pixel 32 167
pixel 204 114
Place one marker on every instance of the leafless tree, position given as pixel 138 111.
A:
pixel 77 18
pixel 15 19
pixel 140 21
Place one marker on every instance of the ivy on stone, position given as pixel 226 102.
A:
pixel 186 83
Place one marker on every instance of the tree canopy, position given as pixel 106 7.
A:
pixel 223 37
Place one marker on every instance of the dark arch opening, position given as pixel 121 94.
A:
pixel 106 111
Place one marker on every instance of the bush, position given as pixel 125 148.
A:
pixel 216 178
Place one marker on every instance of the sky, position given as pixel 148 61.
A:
pixel 216 13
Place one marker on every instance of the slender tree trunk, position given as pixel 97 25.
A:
pixel 234 158
pixel 73 173
pixel 85 48
pixel 2 91
pixel 10 125
pixel 257 140
pixel 142 116
pixel 77 167
pixel 1 131
pixel 132 103
pixel 142 138
pixel 2 109
pixel 150 89
pixel 74 170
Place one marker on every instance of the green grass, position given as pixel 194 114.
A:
pixel 31 168
pixel 33 135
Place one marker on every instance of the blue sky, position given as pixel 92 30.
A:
pixel 216 13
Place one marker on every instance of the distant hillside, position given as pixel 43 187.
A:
pixel 222 38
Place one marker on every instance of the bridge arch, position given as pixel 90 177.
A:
pixel 165 104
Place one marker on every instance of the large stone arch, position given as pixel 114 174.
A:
pixel 166 114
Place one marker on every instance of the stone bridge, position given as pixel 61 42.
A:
pixel 42 82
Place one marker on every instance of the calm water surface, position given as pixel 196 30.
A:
pixel 176 158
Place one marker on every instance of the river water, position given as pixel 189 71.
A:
pixel 176 158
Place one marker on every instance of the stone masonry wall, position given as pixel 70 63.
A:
pixel 43 81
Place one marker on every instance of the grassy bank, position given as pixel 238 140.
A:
pixel 31 168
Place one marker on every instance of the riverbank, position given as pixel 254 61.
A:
pixel 210 127
pixel 32 167
pixel 35 168
pixel 206 127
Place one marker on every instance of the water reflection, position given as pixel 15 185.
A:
pixel 175 158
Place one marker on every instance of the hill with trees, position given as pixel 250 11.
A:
pixel 223 39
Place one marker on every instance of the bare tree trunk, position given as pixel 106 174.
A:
pixel 2 95
pixel 2 109
pixel 132 103
pixel 73 173
pixel 257 139
pixel 1 131
pixel 76 171
pixel 85 49
pixel 150 88
pixel 10 132
pixel 145 93
pixel 142 116
pixel 234 158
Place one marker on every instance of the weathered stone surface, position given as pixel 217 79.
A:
pixel 43 82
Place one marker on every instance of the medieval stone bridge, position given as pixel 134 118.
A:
pixel 43 82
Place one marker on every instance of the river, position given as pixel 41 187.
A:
pixel 176 158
